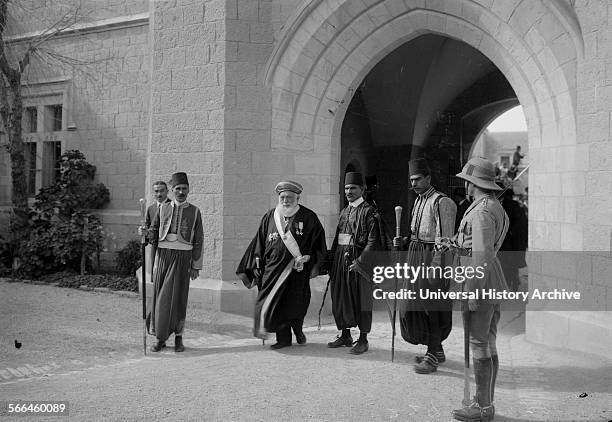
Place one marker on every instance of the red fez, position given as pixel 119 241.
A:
pixel 418 166
pixel 179 179
pixel 353 178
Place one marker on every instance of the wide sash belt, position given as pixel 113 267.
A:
pixel 287 237
pixel 344 239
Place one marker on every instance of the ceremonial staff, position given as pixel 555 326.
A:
pixel 143 244
pixel 258 281
pixel 398 220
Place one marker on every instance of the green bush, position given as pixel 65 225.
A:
pixel 62 229
pixel 6 256
pixel 129 258
pixel 113 282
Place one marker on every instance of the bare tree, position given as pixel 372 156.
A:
pixel 15 59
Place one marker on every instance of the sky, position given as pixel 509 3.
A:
pixel 512 120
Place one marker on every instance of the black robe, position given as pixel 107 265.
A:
pixel 351 291
pixel 282 301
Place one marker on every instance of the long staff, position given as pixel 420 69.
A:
pixel 143 244
pixel 258 281
pixel 466 354
pixel 398 220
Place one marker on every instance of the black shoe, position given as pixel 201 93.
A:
pixel 178 344
pixel 157 347
pixel 360 347
pixel 300 338
pixel 440 355
pixel 340 341
pixel 279 345
pixel 428 365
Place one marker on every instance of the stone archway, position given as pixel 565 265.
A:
pixel 329 46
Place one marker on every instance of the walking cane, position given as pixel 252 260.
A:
pixel 143 241
pixel 466 354
pixel 398 219
pixel 258 266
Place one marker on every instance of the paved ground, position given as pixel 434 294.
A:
pixel 86 348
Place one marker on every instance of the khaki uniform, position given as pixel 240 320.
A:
pixel 481 233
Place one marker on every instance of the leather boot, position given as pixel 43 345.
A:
pixel 495 360
pixel 178 344
pixel 481 408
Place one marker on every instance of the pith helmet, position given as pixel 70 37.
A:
pixel 480 172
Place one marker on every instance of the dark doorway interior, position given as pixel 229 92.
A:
pixel 430 97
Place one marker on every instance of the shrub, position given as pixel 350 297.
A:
pixel 64 234
pixel 129 258
pixel 6 256
pixel 113 282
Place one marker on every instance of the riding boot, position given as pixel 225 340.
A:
pixel 481 408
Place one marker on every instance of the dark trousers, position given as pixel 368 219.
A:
pixel 283 334
pixel 365 322
pixel 435 332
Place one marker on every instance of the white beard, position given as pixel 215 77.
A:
pixel 288 212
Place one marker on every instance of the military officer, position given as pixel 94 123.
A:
pixel 481 233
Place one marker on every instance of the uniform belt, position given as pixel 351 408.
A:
pixel 413 238
pixel 344 239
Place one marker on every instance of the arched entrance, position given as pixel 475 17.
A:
pixel 428 98
pixel 329 46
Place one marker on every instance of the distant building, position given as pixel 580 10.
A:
pixel 498 147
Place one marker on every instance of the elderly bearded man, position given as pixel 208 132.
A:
pixel 284 255
pixel 351 291
pixel 427 322
pixel 178 236
pixel 481 234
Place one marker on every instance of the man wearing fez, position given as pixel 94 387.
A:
pixel 351 290
pixel 481 234
pixel 177 235
pixel 284 255
pixel 427 322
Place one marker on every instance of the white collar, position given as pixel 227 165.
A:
pixel 179 204
pixel 356 202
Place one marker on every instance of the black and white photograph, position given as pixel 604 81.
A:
pixel 306 210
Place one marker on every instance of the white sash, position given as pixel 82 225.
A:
pixel 287 238
pixel 294 249
pixel 262 333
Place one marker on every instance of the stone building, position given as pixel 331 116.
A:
pixel 499 147
pixel 240 93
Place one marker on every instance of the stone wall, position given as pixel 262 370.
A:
pixel 105 107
